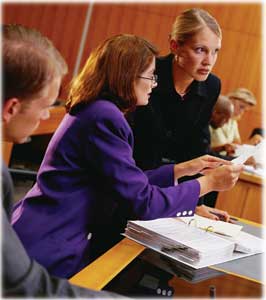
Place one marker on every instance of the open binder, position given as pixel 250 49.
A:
pixel 189 244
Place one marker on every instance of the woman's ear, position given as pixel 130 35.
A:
pixel 10 109
pixel 173 46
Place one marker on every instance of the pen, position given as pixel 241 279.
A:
pixel 233 219
pixel 221 217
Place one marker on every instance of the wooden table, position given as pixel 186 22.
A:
pixel 244 199
pixel 106 267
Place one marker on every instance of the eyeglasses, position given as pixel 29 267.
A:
pixel 154 78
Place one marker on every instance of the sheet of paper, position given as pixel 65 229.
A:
pixel 217 226
pixel 245 152
pixel 248 243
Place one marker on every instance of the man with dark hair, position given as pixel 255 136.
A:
pixel 32 73
pixel 222 112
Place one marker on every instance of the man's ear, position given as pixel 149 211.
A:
pixel 11 108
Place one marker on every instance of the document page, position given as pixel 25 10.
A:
pixel 248 243
pixel 244 152
pixel 219 227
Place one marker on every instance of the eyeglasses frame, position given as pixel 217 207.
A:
pixel 154 78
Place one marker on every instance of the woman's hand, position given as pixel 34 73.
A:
pixel 212 213
pixel 199 164
pixel 251 162
pixel 220 179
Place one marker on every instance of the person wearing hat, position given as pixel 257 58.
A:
pixel 223 139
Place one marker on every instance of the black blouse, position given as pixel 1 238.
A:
pixel 171 128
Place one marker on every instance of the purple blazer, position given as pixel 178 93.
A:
pixel 88 186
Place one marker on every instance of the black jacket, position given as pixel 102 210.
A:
pixel 171 128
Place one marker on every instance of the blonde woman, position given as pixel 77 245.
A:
pixel 174 126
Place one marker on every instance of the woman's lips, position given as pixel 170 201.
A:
pixel 203 71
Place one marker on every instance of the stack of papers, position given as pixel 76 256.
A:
pixel 192 245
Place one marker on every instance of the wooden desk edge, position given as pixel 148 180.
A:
pixel 237 275
pixel 249 177
pixel 106 267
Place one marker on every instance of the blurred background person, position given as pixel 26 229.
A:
pixel 256 136
pixel 223 111
pixel 226 137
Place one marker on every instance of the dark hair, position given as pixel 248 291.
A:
pixel 259 131
pixel 30 62
pixel 112 69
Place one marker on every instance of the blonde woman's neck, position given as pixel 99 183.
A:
pixel 181 79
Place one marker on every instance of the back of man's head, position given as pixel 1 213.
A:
pixel 30 62
pixel 222 111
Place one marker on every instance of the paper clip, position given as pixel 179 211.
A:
pixel 209 229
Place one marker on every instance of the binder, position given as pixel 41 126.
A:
pixel 189 244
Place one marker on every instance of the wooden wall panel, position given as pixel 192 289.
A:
pixel 239 61
pixel 238 64
pixel 62 23
pixel 124 19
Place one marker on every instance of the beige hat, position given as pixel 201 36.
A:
pixel 243 94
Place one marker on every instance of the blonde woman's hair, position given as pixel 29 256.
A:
pixel 190 22
pixel 111 70
pixel 244 95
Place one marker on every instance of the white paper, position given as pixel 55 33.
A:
pixel 217 226
pixel 246 151
pixel 248 243
pixel 178 231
